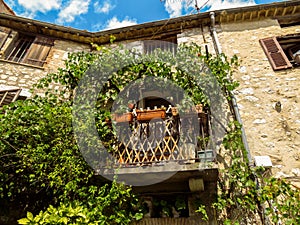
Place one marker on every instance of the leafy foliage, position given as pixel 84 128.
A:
pixel 246 195
pixel 43 172
pixel 41 166
pixel 103 205
pixel 38 154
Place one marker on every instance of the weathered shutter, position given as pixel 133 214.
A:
pixel 38 51
pixel 8 96
pixel 275 54
pixel 4 32
pixel 151 45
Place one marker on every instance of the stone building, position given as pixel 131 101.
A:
pixel 266 39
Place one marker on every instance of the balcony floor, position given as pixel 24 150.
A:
pixel 164 176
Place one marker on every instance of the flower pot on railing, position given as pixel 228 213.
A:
pixel 122 117
pixel 199 108
pixel 174 111
pixel 147 115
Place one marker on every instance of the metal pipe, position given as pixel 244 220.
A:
pixel 214 33
pixel 233 99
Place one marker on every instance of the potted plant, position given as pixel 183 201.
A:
pixel 122 117
pixel 147 115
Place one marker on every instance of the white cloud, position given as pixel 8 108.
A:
pixel 174 8
pixel 225 4
pixel 103 8
pixel 32 6
pixel 27 14
pixel 115 23
pixel 73 9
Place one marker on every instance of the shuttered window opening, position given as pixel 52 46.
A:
pixel 30 50
pixel 8 96
pixel 150 46
pixel 20 48
pixel 165 44
pixel 275 54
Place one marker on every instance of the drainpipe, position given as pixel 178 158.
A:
pixel 233 99
pixel 214 33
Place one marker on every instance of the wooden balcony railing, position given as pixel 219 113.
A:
pixel 160 135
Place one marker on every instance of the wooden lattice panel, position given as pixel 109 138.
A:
pixel 145 142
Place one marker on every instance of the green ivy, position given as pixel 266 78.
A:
pixel 246 196
pixel 43 172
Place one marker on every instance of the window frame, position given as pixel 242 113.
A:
pixel 277 51
pixel 35 52
pixel 165 44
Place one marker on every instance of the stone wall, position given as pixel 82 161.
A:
pixel 197 35
pixel 272 133
pixel 24 76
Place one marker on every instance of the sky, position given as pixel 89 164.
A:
pixel 97 15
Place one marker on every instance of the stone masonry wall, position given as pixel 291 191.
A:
pixel 197 35
pixel 268 132
pixel 24 76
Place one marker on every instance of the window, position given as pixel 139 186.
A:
pixel 166 44
pixel 283 52
pixel 10 95
pixel 26 48
pixel 19 50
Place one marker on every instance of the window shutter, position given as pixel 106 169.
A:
pixel 8 96
pixel 38 51
pixel 275 54
pixel 151 45
pixel 4 32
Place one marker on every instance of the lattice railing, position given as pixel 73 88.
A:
pixel 153 136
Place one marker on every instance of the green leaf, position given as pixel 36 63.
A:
pixel 29 216
pixel 23 221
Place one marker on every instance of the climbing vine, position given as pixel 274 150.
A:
pixel 40 157
pixel 248 194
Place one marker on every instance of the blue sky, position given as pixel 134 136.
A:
pixel 96 15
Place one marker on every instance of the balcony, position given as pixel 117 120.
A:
pixel 164 153
pixel 153 137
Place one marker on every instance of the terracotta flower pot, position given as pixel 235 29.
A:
pixel 148 115
pixel 121 118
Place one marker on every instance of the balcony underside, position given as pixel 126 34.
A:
pixel 168 177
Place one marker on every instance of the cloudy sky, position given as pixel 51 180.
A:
pixel 96 15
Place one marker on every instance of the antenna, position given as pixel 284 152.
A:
pixel 189 3
pixel 197 8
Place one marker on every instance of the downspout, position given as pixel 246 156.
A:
pixel 236 111
pixel 233 99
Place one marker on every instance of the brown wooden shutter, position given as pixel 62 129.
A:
pixel 38 51
pixel 8 96
pixel 275 54
pixel 4 32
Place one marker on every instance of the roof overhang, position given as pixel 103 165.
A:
pixel 284 11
